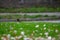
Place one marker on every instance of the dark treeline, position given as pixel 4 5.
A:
pixel 29 3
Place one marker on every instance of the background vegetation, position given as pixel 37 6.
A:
pixel 30 9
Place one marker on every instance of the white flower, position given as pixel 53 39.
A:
pixel 19 37
pixel 46 33
pixel 44 25
pixel 56 30
pixel 37 26
pixel 8 35
pixel 22 33
pixel 44 28
pixel 16 37
pixel 49 38
pixel 2 38
pixel 12 38
pixel 15 31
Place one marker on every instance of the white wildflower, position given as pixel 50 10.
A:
pixel 44 28
pixel 12 38
pixel 56 30
pixel 37 26
pixel 49 38
pixel 15 31
pixel 46 33
pixel 22 33
pixel 44 25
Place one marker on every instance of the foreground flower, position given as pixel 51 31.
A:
pixel 22 33
pixel 37 26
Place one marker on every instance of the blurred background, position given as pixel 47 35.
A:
pixel 28 6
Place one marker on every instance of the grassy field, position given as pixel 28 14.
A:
pixel 35 29
pixel 29 10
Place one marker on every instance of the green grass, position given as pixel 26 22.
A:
pixel 10 16
pixel 29 10
pixel 29 27
pixel 27 16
